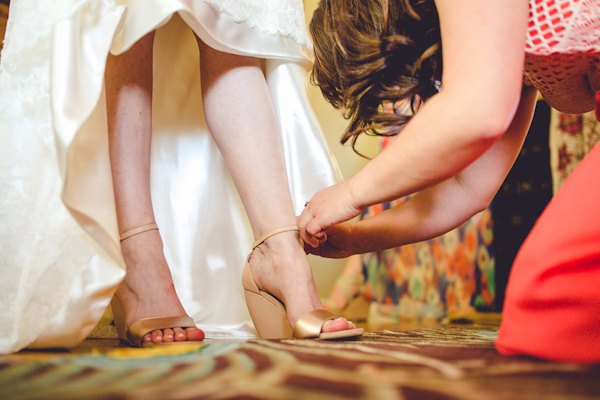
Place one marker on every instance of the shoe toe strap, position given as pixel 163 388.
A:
pixel 139 329
pixel 311 323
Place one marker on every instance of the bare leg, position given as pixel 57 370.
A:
pixel 242 121
pixel 129 100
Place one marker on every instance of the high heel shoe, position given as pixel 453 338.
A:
pixel 270 316
pixel 134 333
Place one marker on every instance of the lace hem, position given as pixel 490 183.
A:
pixel 274 17
pixel 28 37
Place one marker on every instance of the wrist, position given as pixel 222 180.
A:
pixel 354 194
pixel 368 236
pixel 357 241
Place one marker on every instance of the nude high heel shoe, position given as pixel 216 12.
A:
pixel 269 314
pixel 134 333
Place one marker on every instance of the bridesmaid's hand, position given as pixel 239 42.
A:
pixel 328 207
pixel 339 242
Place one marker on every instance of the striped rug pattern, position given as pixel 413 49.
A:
pixel 449 363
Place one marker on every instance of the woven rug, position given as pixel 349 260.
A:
pixel 449 363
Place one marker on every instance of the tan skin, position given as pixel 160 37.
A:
pixel 439 208
pixel 249 141
pixel 456 150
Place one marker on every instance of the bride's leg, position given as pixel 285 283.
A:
pixel 147 290
pixel 242 121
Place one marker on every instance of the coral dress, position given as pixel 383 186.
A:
pixel 552 304
pixel 60 258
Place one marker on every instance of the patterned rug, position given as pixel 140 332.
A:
pixel 449 363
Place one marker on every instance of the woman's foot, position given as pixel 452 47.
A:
pixel 280 267
pixel 148 291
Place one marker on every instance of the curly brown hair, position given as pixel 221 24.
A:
pixel 369 53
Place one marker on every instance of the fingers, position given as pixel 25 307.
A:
pixel 307 249
pixel 309 239
pixel 303 220
pixel 325 209
pixel 316 250
pixel 311 230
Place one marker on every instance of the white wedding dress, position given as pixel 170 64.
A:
pixel 60 260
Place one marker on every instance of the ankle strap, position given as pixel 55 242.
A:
pixel 135 231
pixel 273 233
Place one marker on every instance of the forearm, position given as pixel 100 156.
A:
pixel 442 139
pixel 428 214
pixel 445 206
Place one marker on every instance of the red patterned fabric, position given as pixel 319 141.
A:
pixel 563 52
pixel 564 26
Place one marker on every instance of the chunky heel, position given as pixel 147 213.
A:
pixel 119 318
pixel 269 321
pixel 270 316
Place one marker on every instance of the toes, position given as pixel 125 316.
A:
pixel 189 334
pixel 338 324
pixel 147 337
pixel 194 334
pixel 168 335
pixel 180 335
pixel 174 335
pixel 157 336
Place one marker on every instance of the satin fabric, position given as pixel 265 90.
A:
pixel 60 255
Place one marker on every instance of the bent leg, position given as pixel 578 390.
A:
pixel 147 290
pixel 552 305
